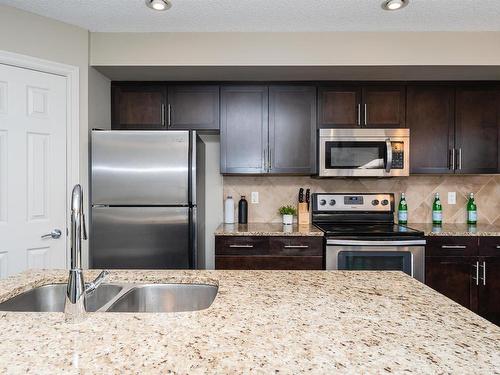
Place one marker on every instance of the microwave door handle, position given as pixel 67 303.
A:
pixel 388 165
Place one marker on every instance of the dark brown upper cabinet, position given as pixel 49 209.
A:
pixel 476 130
pixel 292 129
pixel 453 129
pixel 430 116
pixel 193 107
pixel 268 129
pixel 141 106
pixel 352 106
pixel 138 106
pixel 339 107
pixel 384 106
pixel 244 129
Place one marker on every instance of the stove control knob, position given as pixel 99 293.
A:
pixel 375 202
pixel 385 202
pixel 322 202
pixel 332 202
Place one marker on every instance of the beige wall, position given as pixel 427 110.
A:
pixel 277 191
pixel 25 33
pixel 314 48
pixel 99 100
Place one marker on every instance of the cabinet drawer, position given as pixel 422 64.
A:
pixel 296 246
pixel 269 262
pixel 489 246
pixel 241 245
pixel 451 246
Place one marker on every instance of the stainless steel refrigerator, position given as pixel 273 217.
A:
pixel 143 199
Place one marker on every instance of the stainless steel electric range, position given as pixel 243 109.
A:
pixel 361 234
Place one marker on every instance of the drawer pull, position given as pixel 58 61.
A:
pixel 241 246
pixel 498 246
pixel 454 247
pixel 296 247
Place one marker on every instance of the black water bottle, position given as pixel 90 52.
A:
pixel 242 210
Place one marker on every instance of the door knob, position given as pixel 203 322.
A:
pixel 55 234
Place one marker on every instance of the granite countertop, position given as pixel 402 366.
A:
pixel 260 322
pixel 457 229
pixel 267 229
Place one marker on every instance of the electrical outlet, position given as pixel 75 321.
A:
pixel 452 197
pixel 255 197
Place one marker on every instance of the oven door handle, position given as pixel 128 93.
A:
pixel 375 243
pixel 388 164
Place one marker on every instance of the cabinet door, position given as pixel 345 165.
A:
pixel 384 106
pixel 476 130
pixel 193 107
pixel 489 289
pixel 244 129
pixel 138 106
pixel 292 129
pixel 452 276
pixel 339 107
pixel 431 118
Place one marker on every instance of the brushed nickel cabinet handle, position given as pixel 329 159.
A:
pixel 498 246
pixel 452 159
pixel 476 279
pixel 163 115
pixel 366 110
pixel 460 158
pixel 359 114
pixel 454 247
pixel 296 247
pixel 483 279
pixel 169 115
pixel 241 246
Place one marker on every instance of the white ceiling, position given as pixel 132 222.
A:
pixel 270 15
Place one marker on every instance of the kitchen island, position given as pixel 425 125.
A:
pixel 260 322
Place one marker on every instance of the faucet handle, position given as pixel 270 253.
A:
pixel 98 281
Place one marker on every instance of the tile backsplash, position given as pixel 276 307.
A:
pixel 275 191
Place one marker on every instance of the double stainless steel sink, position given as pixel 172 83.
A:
pixel 138 298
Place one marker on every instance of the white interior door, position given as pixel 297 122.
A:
pixel 32 169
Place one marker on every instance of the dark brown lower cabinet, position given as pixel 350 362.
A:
pixel 268 253
pixel 489 289
pixel 451 276
pixel 469 273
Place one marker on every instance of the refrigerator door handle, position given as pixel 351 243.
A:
pixel 192 170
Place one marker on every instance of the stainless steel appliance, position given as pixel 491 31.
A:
pixel 143 199
pixel 361 234
pixel 364 152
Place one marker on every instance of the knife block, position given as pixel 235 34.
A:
pixel 303 217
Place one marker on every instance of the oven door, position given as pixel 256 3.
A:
pixel 357 255
pixel 369 153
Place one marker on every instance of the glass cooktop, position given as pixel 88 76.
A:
pixel 354 230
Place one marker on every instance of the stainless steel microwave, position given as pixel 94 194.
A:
pixel 364 152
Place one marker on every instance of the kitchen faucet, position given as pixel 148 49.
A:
pixel 77 291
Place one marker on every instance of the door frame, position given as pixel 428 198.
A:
pixel 72 75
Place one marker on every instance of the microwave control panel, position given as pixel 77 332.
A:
pixel 398 155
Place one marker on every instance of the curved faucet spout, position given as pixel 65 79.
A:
pixel 77 290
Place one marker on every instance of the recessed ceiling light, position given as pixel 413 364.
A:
pixel 158 4
pixel 394 4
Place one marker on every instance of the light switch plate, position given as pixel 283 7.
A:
pixel 255 197
pixel 452 197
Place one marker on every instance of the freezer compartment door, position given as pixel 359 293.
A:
pixel 140 237
pixel 140 168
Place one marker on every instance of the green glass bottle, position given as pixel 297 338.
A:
pixel 471 210
pixel 403 210
pixel 437 211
